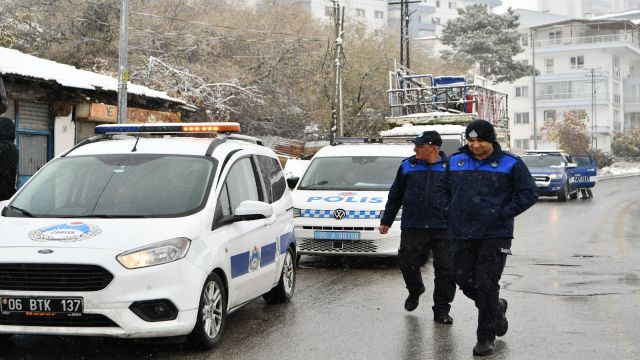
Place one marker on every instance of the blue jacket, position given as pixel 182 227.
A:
pixel 481 197
pixel 413 189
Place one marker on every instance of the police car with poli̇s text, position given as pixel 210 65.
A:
pixel 339 200
pixel 139 232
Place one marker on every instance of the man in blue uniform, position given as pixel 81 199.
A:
pixel 483 189
pixel 423 226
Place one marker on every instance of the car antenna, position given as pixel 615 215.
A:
pixel 138 135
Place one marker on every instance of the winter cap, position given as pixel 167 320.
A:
pixel 480 129
pixel 428 137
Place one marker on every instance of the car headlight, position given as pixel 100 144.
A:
pixel 297 212
pixel 555 176
pixel 155 254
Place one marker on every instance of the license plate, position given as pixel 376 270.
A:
pixel 581 179
pixel 41 306
pixel 337 235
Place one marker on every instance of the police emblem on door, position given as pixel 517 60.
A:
pixel 254 258
pixel 339 214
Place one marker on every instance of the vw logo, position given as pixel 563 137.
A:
pixel 45 251
pixel 339 214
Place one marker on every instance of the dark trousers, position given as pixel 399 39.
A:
pixel 415 245
pixel 478 267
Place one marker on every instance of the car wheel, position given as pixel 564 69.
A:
pixel 573 195
pixel 212 315
pixel 287 283
pixel 590 193
pixel 564 193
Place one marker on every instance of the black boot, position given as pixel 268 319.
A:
pixel 412 300
pixel 443 319
pixel 484 347
pixel 502 325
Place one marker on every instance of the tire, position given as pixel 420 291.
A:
pixel 287 283
pixel 212 315
pixel 564 193
pixel 590 193
pixel 573 196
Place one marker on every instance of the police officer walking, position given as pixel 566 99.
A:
pixel 423 227
pixel 483 189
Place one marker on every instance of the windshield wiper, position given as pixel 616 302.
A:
pixel 105 216
pixel 21 211
pixel 321 182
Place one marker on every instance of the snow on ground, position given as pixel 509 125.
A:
pixel 620 169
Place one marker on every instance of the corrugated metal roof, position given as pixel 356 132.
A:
pixel 18 63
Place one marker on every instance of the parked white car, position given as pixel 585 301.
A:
pixel 132 236
pixel 340 199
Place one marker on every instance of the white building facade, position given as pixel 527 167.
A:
pixel 588 65
pixel 586 8
pixel 372 13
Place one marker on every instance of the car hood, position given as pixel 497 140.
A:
pixel 114 234
pixel 543 170
pixel 347 200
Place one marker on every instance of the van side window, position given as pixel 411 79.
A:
pixel 239 185
pixel 272 176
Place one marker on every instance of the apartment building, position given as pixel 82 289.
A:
pixel 586 8
pixel 590 65
pixel 372 13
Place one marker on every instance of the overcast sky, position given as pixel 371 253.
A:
pixel 517 4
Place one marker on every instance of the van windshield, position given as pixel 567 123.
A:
pixel 351 173
pixel 123 185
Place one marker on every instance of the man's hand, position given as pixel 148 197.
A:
pixel 383 229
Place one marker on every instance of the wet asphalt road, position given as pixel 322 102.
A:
pixel 573 286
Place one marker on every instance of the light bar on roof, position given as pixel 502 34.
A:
pixel 169 128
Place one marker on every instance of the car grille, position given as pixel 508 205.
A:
pixel 347 228
pixel 53 277
pixel 324 246
pixel 86 320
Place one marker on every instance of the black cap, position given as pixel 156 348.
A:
pixel 428 137
pixel 481 129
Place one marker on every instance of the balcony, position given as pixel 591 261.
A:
pixel 604 38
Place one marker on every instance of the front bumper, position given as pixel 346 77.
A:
pixel 180 282
pixel 371 242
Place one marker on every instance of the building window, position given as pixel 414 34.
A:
pixel 617 126
pixel 328 11
pixel 548 65
pixel 522 91
pixel 435 20
pixel 549 117
pixel 523 62
pixel 521 118
pixel 360 13
pixel 437 3
pixel 631 121
pixel 577 62
pixel 452 5
pixel 616 66
pixel 522 144
pixel 524 39
pixel 555 36
pixel 378 14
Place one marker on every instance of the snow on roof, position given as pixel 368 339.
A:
pixel 415 130
pixel 18 63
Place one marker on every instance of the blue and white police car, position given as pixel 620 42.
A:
pixel 134 235
pixel 553 172
pixel 340 199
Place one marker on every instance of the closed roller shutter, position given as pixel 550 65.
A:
pixel 33 138
pixel 33 116
pixel 85 130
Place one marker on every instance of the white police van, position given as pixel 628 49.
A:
pixel 339 200
pixel 143 236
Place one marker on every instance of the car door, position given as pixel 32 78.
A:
pixel 246 239
pixel 279 197
pixel 584 174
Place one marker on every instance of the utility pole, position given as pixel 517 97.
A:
pixel 123 62
pixel 535 117
pixel 404 30
pixel 336 111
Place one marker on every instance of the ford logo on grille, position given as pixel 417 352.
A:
pixel 45 251
pixel 339 214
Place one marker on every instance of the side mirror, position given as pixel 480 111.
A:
pixel 252 210
pixel 3 206
pixel 292 182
